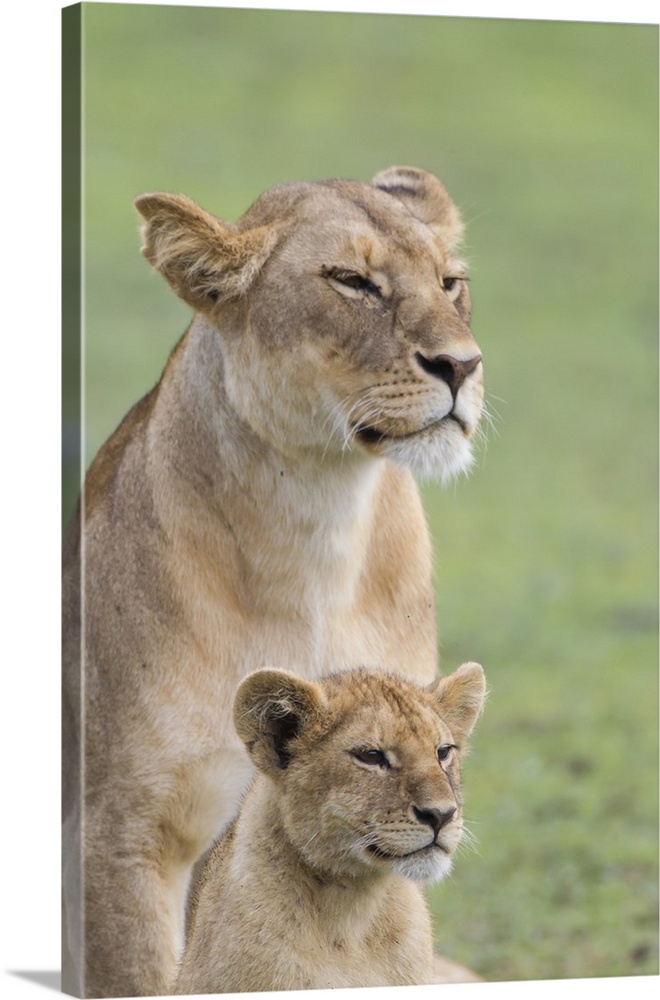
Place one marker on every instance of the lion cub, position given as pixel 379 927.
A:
pixel 318 883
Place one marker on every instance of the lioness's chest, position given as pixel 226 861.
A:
pixel 309 637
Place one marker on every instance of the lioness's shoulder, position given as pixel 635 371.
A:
pixel 103 469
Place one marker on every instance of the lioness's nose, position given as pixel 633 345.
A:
pixel 449 369
pixel 435 818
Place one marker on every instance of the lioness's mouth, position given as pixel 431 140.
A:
pixel 372 435
pixel 384 856
pixel 374 849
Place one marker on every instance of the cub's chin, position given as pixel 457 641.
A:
pixel 429 865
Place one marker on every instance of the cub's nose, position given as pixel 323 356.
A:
pixel 449 369
pixel 435 818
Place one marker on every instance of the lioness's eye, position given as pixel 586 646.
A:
pixel 371 757
pixel 444 752
pixel 360 283
pixel 353 279
pixel 450 284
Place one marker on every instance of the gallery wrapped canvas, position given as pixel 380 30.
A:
pixel 289 447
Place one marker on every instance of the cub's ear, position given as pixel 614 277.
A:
pixel 426 198
pixel 206 261
pixel 461 696
pixel 271 708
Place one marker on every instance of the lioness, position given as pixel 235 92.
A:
pixel 358 802
pixel 256 507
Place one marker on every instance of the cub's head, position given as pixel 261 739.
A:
pixel 343 312
pixel 365 765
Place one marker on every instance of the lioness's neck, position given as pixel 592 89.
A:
pixel 287 512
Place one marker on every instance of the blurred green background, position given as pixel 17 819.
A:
pixel 545 133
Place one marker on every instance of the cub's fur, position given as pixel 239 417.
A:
pixel 256 507
pixel 357 803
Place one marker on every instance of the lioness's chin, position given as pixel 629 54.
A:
pixel 430 865
pixel 443 451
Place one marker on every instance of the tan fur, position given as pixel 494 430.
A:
pixel 256 508
pixel 318 885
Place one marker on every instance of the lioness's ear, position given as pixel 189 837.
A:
pixel 271 708
pixel 205 260
pixel 426 198
pixel 461 696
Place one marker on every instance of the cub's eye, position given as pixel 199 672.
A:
pixel 371 757
pixel 354 280
pixel 444 752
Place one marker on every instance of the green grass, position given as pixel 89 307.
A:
pixel 546 569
